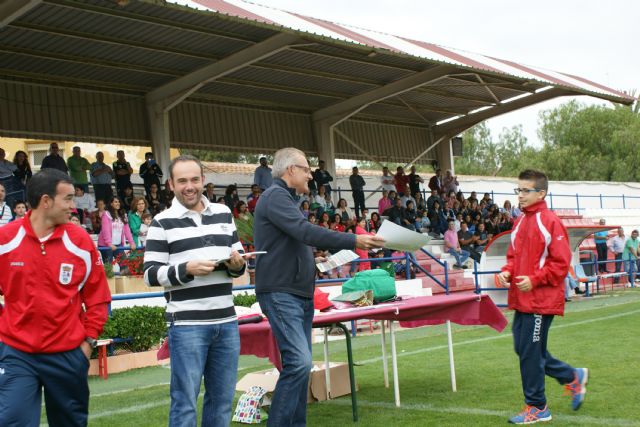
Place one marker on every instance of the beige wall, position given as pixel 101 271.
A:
pixel 134 154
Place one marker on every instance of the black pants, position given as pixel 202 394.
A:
pixel 530 333
pixel 358 201
pixel 601 249
pixel 103 192
pixel 619 267
pixel 64 379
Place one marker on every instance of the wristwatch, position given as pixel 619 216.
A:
pixel 92 342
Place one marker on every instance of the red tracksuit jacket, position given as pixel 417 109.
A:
pixel 539 249
pixel 44 293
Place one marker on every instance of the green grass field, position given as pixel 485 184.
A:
pixel 600 333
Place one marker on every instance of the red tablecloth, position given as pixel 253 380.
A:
pixel 463 309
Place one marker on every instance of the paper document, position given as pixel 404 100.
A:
pixel 337 259
pixel 400 238
pixel 244 255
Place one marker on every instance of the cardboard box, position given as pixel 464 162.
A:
pixel 339 377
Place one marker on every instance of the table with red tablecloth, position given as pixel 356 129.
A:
pixel 464 309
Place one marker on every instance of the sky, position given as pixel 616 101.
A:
pixel 590 38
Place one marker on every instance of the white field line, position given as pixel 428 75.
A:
pixel 417 407
pixel 458 410
pixel 496 337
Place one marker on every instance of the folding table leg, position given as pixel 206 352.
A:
pixel 394 364
pixel 352 376
pixel 452 366
pixel 327 368
pixel 385 364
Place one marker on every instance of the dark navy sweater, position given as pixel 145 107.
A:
pixel 280 229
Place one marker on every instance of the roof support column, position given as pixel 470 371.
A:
pixel 325 145
pixel 158 117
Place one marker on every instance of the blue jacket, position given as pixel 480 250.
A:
pixel 280 229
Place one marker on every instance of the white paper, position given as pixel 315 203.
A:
pixel 337 259
pixel 400 238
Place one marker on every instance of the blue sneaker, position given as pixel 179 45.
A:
pixel 578 387
pixel 531 415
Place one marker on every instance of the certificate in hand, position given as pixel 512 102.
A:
pixel 244 255
pixel 337 259
pixel 400 238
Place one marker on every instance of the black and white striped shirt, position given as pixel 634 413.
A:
pixel 178 235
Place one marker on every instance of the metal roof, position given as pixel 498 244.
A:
pixel 80 70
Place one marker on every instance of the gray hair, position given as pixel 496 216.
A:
pixel 284 158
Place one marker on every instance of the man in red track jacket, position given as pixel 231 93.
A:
pixel 537 263
pixel 49 269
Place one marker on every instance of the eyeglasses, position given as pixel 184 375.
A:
pixel 526 190
pixel 306 169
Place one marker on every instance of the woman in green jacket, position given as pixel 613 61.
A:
pixel 138 208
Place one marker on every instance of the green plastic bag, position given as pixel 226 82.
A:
pixel 379 281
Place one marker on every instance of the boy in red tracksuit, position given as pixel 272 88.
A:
pixel 56 303
pixel 537 263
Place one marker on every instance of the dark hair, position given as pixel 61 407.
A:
pixel 78 186
pixel 147 215
pixel 45 182
pixel 185 158
pixel 19 202
pixel 539 178
pixel 119 213
pixel 230 189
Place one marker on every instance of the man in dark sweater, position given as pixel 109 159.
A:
pixel 357 191
pixel 285 278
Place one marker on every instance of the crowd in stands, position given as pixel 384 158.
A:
pixel 122 218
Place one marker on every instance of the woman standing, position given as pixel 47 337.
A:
pixel 138 208
pixel 115 230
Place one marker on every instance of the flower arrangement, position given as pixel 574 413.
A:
pixel 131 264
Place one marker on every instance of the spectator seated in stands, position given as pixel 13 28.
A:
pixel 231 197
pixel 453 248
pixel 373 223
pixel 252 199
pixel 423 223
pixel 313 219
pixel 409 219
pixel 304 207
pixel 407 196
pixel 438 219
pixel 514 212
pixel 473 197
pixel 360 228
pixel 325 220
pixel 209 193
pixel 421 203
pixel 5 210
pixel 155 200
pixel 466 239
pixel 337 224
pixel 394 213
pixel 167 195
pixel 506 222
pixel 84 202
pixel 482 238
pixel 144 229
pixel 19 210
pixel 345 212
pixel 384 203
pixel 138 208
pixel 470 224
pixel 432 199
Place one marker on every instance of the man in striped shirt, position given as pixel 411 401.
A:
pixel 184 246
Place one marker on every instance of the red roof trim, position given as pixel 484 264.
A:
pixel 230 9
pixel 537 73
pixel 453 55
pixel 598 85
pixel 346 32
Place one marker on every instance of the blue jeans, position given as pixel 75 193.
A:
pixel 290 317
pixel 203 350
pixel 631 267
pixel 460 257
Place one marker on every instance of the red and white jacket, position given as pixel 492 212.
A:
pixel 539 249
pixel 45 285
